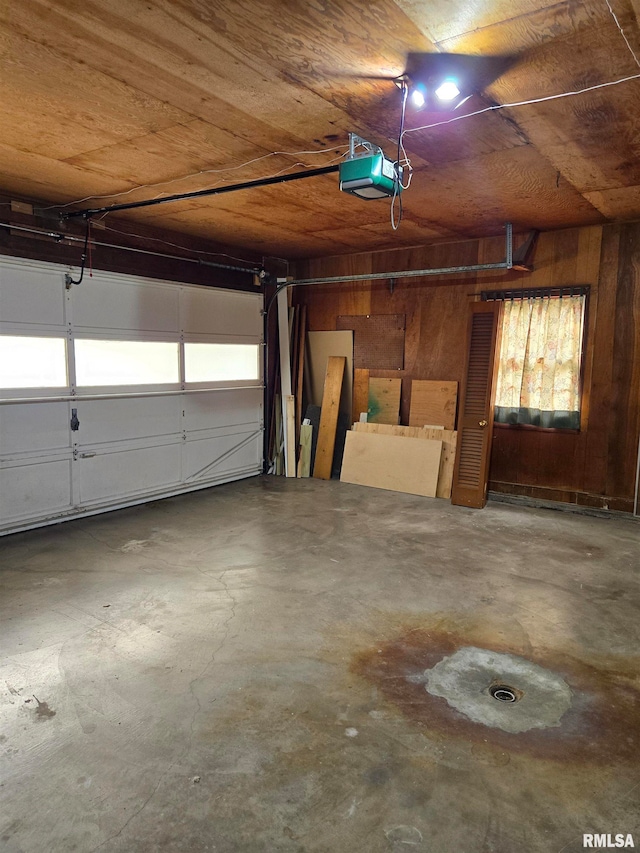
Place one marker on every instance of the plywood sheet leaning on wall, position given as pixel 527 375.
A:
pixel 392 462
pixel 447 436
pixel 433 402
pixel 329 417
pixel 321 346
pixel 384 401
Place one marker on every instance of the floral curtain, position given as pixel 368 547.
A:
pixel 539 371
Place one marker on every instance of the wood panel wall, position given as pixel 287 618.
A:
pixel 595 467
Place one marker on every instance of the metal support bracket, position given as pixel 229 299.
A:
pixel 524 253
pixel 356 141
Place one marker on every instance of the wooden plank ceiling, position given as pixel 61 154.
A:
pixel 104 97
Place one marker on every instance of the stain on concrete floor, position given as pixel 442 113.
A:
pixel 601 724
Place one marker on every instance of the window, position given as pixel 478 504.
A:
pixel 540 359
pixel 30 362
pixel 221 362
pixel 100 362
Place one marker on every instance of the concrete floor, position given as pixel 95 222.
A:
pixel 240 669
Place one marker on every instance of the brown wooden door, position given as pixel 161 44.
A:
pixel 475 421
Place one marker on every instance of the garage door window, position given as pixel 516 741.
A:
pixel 33 362
pixel 106 362
pixel 221 362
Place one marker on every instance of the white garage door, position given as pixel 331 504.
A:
pixel 120 390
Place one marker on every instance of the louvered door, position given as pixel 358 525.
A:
pixel 475 423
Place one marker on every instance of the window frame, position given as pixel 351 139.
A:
pixel 549 292
pixel 41 391
pixel 84 389
pixel 222 383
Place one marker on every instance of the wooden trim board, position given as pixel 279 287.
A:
pixel 391 462
pixel 447 460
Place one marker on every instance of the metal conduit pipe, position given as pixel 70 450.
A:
pixel 507 264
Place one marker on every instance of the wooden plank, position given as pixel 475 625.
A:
pixel 447 464
pixel 294 333
pixel 391 462
pixel 306 438
pixel 384 400
pixel 433 402
pixel 278 451
pixel 448 438
pixel 285 385
pixel 360 393
pixel 290 436
pixel 321 346
pixel 329 417
pixel 302 337
pixel 283 339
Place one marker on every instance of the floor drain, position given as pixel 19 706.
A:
pixel 504 693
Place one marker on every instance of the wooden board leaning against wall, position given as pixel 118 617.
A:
pixel 375 409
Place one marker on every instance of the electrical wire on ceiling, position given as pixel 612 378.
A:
pixel 192 175
pixel 177 245
pixel 568 94
pixel 402 163
pixel 100 219
pixel 622 32
pixel 495 107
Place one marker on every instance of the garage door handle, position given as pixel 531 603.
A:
pixel 86 455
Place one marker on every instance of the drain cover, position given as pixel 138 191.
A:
pixel 539 701
pixel 503 693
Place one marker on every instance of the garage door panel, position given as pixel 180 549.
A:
pixel 217 457
pixel 34 427
pixel 215 409
pixel 219 312
pixel 31 295
pixel 35 490
pixel 140 434
pixel 127 473
pixel 125 305
pixel 126 419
